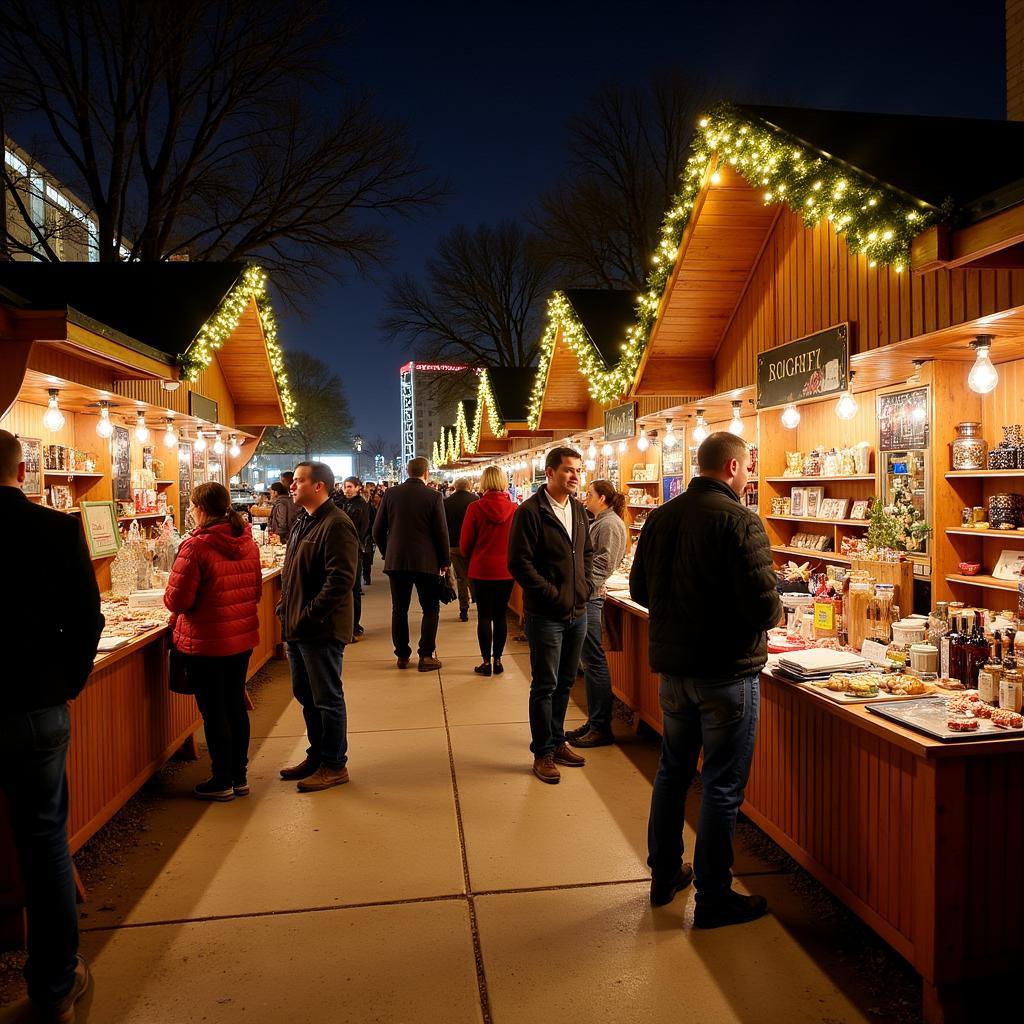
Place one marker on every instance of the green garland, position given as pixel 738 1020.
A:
pixel 220 326
pixel 877 221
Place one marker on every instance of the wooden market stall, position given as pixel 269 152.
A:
pixel 894 239
pixel 162 376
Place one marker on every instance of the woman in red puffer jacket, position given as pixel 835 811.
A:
pixel 213 592
pixel 484 544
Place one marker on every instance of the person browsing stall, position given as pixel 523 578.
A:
pixel 703 569
pixel 455 507
pixel 283 511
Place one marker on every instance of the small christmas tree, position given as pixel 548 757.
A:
pixel 899 526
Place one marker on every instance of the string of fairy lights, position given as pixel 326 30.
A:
pixel 875 220
pixel 212 335
pixel 461 438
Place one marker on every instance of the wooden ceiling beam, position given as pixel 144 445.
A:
pixel 677 376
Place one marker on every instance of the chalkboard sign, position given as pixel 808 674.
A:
pixel 620 422
pixel 903 421
pixel 184 481
pixel 121 463
pixel 810 367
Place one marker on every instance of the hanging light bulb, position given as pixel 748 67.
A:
pixel 141 430
pixel 846 407
pixel 622 447
pixel 218 445
pixel 591 464
pixel 200 445
pixel 53 418
pixel 642 443
pixel 790 417
pixel 103 426
pixel 606 450
pixel 700 430
pixel 983 376
pixel 170 436
pixel 670 440
pixel 736 423
pixel 235 450
pixel 592 450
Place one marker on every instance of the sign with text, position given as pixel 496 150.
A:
pixel 810 367
pixel 620 422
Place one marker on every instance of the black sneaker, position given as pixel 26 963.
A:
pixel 213 790
pixel 241 787
pixel 733 909
pixel 662 895
pixel 575 734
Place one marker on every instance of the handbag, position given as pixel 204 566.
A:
pixel 446 586
pixel 177 673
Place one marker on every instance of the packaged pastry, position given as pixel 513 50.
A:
pixel 962 723
pixel 1006 719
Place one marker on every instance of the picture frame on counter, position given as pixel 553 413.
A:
pixel 32 455
pixel 61 497
pixel 859 509
pixel 99 520
pixel 834 508
pixel 798 499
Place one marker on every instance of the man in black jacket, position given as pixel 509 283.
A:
pixel 551 557
pixel 50 606
pixel 320 567
pixel 455 506
pixel 412 535
pixel 703 569
pixel 351 501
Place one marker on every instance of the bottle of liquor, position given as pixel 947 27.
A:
pixel 946 649
pixel 976 653
pixel 1010 661
pixel 990 675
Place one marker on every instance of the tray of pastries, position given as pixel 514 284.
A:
pixel 962 716
pixel 859 687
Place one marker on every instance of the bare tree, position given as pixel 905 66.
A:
pixel 209 129
pixel 324 421
pixel 601 223
pixel 481 300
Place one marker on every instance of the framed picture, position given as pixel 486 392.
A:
pixel 61 497
pixel 827 509
pixel 1010 565
pixel 673 460
pixel 99 519
pixel 903 420
pixel 860 510
pixel 815 496
pixel 798 498
pixel 840 508
pixel 147 457
pixel 121 463
pixel 671 487
pixel 32 453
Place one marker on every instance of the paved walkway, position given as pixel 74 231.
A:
pixel 444 883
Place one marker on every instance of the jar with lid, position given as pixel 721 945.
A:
pixel 857 613
pixel 938 623
pixel 885 612
pixel 970 449
pixel 1011 691
pixel 924 660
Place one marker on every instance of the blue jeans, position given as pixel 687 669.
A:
pixel 555 647
pixel 33 750
pixel 316 683
pixel 721 717
pixel 595 672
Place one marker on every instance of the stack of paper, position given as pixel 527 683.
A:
pixel 818 663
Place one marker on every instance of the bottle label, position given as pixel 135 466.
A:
pixel 944 657
pixel 988 689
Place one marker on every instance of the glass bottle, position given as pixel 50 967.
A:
pixel 946 648
pixel 991 674
pixel 938 623
pixel 976 653
pixel 1010 661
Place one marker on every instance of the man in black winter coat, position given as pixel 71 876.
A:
pixel 703 569
pixel 455 506
pixel 51 609
pixel 551 558
pixel 351 501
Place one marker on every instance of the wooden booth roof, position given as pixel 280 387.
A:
pixel 154 314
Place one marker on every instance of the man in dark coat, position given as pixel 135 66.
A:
pixel 551 557
pixel 411 532
pixel 351 501
pixel 319 571
pixel 455 506
pixel 703 569
pixel 51 609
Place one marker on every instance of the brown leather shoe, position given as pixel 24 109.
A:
pixel 567 756
pixel 402 663
pixel 429 664
pixel 302 770
pixel 545 770
pixel 323 778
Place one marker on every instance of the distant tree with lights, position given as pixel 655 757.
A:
pixel 217 131
pixel 323 418
pixel 601 222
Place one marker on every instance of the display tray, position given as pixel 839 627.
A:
pixel 929 714
pixel 852 698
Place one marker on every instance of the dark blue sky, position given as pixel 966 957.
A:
pixel 488 93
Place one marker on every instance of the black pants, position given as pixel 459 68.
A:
pixel 367 560
pixel 220 693
pixel 491 610
pixel 426 585
pixel 357 603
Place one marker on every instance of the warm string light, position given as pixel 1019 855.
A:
pixel 220 326
pixel 103 426
pixel 53 418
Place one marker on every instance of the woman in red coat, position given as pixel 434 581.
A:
pixel 484 544
pixel 213 592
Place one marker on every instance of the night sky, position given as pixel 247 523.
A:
pixel 488 94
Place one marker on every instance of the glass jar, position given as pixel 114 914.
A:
pixel 1013 435
pixel 970 449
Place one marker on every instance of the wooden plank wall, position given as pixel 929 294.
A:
pixel 806 281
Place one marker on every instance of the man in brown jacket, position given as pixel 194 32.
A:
pixel 320 567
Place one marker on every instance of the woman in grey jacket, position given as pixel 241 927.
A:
pixel 609 536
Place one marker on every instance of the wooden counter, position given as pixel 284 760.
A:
pixel 125 725
pixel 923 840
